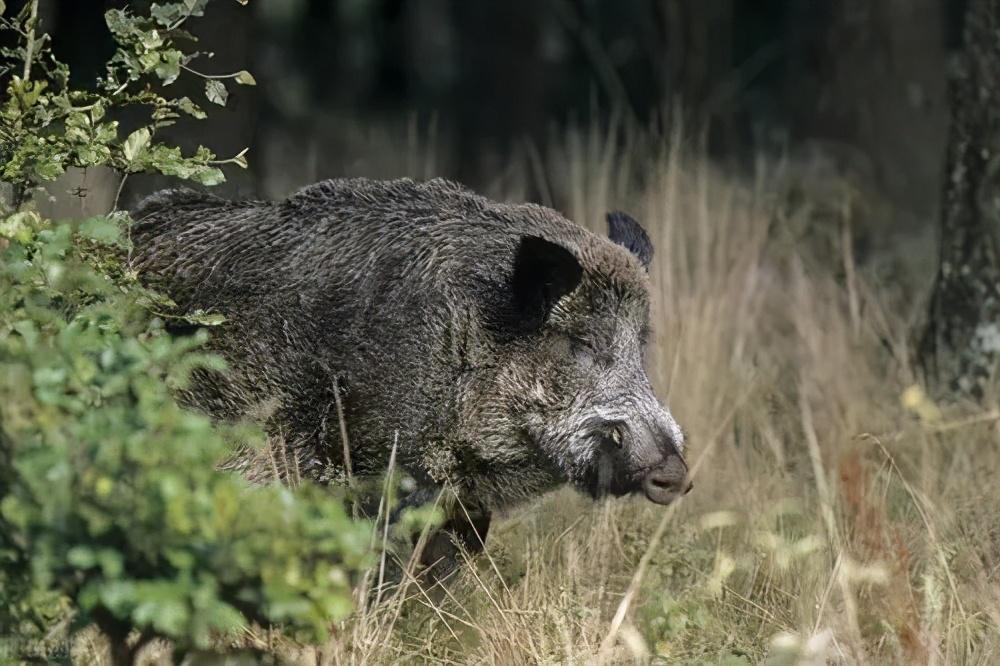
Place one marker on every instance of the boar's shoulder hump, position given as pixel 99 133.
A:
pixel 335 232
pixel 165 202
pixel 394 202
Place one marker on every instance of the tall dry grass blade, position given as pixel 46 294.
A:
pixel 342 423
pixel 384 505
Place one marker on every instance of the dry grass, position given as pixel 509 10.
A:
pixel 830 521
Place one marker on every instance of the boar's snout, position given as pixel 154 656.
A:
pixel 667 481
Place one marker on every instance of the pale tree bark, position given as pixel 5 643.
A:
pixel 961 344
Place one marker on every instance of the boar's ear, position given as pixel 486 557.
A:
pixel 543 273
pixel 624 230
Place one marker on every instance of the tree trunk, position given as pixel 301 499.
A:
pixel 960 346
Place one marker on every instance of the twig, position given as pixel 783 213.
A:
pixel 118 193
pixel 962 423
pixel 847 249
pixel 29 46
pixel 816 459
pixel 821 607
pixel 343 432
pixel 210 76
pixel 385 528
pixel 179 22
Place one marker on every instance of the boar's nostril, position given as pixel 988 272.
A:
pixel 666 482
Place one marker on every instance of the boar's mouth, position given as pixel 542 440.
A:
pixel 610 474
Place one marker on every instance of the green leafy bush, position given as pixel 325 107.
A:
pixel 112 511
pixel 46 126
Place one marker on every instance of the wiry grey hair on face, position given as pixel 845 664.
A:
pixel 596 416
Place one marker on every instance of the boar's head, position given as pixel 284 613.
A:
pixel 575 370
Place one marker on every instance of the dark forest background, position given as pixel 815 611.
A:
pixel 348 87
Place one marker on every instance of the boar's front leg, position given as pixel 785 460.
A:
pixel 442 553
pixel 464 529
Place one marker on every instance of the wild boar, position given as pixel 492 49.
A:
pixel 498 347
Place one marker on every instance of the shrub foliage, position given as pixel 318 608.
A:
pixel 112 512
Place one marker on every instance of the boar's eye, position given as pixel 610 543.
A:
pixel 617 436
pixel 587 353
pixel 582 350
pixel 613 432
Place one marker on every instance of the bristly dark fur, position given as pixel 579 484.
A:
pixel 493 339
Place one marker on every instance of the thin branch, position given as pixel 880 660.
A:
pixel 179 22
pixel 343 433
pixel 385 528
pixel 210 76
pixel 29 47
pixel 118 193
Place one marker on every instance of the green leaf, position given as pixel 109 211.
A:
pixel 169 161
pixel 27 329
pixel 174 12
pixel 245 78
pixel 27 93
pixel 187 106
pixel 210 177
pixel 196 7
pixel 97 112
pixel 135 145
pixel 168 14
pixel 118 22
pixel 19 226
pixel 81 557
pixel 50 167
pixel 216 92
pixel 205 318
pixel 100 229
pixel 168 68
pixel 150 39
